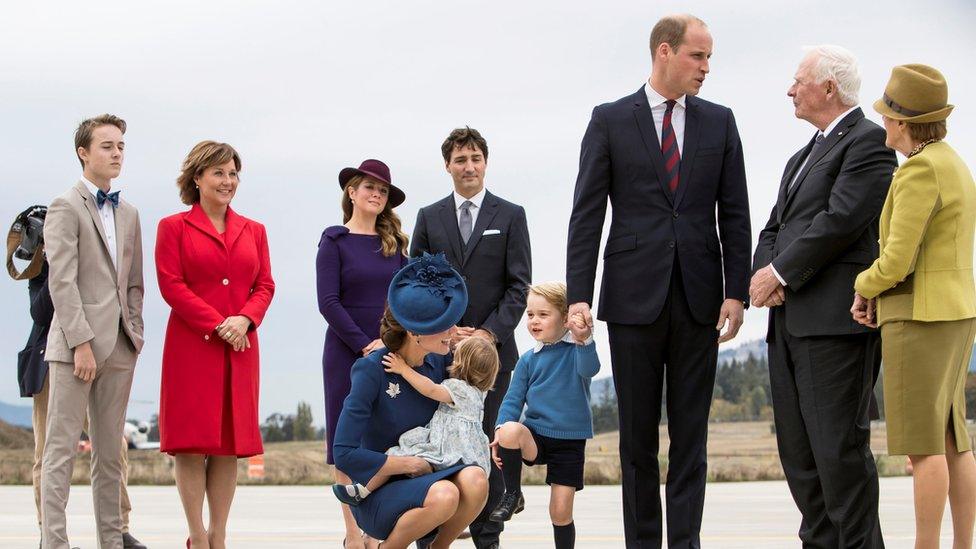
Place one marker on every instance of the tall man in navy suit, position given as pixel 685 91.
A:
pixel 668 162
pixel 486 239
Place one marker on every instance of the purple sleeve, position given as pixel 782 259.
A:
pixel 327 277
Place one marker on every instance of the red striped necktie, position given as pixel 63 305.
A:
pixel 669 147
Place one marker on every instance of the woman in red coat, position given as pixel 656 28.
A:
pixel 214 272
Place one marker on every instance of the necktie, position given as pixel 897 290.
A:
pixel 464 223
pixel 813 150
pixel 669 147
pixel 102 196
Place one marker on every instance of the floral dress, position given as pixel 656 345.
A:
pixel 454 435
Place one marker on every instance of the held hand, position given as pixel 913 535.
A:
pixel 578 327
pixel 494 451
pixel 764 283
pixel 863 311
pixel 84 362
pixel 417 467
pixel 731 313
pixel 460 334
pixel 484 334
pixel 776 299
pixel 582 308
pixel 233 330
pixel 393 364
pixel 373 345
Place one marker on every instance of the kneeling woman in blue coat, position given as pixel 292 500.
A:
pixel 425 300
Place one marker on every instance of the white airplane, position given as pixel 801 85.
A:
pixel 136 435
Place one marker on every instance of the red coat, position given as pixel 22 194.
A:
pixel 209 393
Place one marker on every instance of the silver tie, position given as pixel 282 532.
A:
pixel 464 223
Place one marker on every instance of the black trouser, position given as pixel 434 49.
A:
pixel 682 352
pixel 821 394
pixel 484 532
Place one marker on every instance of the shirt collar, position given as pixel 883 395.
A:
pixel 832 125
pixel 476 199
pixel 654 99
pixel 567 337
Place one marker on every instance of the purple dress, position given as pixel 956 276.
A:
pixel 352 276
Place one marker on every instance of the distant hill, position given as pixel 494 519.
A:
pixel 14 438
pixel 15 414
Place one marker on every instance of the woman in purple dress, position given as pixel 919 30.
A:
pixel 355 264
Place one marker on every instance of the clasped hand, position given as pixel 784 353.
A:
pixel 765 289
pixel 576 323
pixel 233 330
pixel 394 364
pixel 863 311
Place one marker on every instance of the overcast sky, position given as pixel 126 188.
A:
pixel 304 89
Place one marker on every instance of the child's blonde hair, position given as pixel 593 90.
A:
pixel 476 363
pixel 554 293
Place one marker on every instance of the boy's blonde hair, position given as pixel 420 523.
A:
pixel 476 363
pixel 554 293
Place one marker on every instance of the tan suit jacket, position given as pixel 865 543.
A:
pixel 90 294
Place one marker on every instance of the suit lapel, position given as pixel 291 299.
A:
pixel 645 123
pixel 836 135
pixel 198 218
pixel 489 207
pixel 690 147
pixel 449 220
pixel 784 184
pixel 233 227
pixel 97 220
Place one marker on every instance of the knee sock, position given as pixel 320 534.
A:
pixel 511 468
pixel 565 536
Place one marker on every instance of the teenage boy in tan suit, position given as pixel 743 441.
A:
pixel 94 248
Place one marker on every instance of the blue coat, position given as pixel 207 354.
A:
pixel 31 367
pixel 381 407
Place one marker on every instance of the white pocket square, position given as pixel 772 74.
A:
pixel 489 232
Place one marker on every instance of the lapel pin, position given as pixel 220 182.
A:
pixel 393 390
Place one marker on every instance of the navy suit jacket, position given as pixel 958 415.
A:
pixel 497 267
pixel 704 225
pixel 823 231
pixel 31 367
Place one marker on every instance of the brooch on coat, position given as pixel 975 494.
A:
pixel 393 390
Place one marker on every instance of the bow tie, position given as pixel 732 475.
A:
pixel 102 197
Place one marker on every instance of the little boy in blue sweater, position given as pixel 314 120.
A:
pixel 552 383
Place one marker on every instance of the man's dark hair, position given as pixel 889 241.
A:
pixel 463 138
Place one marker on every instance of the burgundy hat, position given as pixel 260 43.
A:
pixel 378 171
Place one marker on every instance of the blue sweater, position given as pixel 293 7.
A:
pixel 553 385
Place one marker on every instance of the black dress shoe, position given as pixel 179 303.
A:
pixel 510 504
pixel 130 542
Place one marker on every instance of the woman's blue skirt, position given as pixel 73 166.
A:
pixel 378 514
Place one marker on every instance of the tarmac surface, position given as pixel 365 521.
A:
pixel 737 515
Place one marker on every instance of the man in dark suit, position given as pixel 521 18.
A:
pixel 822 232
pixel 487 240
pixel 666 160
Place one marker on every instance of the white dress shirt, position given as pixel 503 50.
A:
pixel 658 106
pixel 826 133
pixel 107 214
pixel 476 200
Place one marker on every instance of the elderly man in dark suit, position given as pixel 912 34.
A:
pixel 486 239
pixel 822 232
pixel 673 273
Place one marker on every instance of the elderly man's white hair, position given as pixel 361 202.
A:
pixel 837 64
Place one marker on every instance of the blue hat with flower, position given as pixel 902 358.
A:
pixel 427 296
